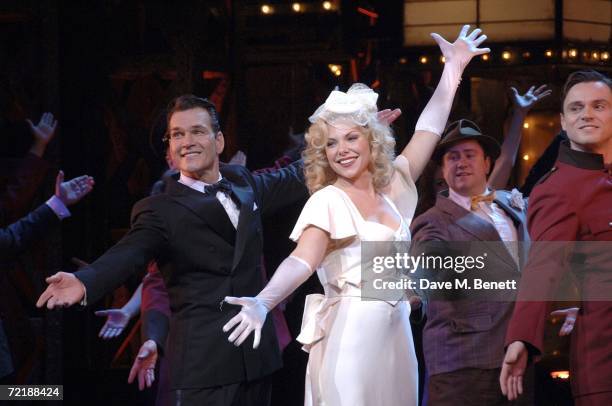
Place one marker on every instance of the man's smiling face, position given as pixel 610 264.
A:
pixel 194 146
pixel 587 117
pixel 465 168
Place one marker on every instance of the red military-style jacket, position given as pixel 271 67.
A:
pixel 572 203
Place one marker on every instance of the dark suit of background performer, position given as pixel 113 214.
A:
pixel 572 203
pixel 20 180
pixel 463 340
pixel 18 236
pixel 207 246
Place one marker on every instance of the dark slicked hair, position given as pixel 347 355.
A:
pixel 583 76
pixel 188 102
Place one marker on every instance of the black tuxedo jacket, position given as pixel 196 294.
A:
pixel 203 259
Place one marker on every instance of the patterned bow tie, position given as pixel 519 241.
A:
pixel 222 186
pixel 488 198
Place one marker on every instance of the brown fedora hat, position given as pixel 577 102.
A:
pixel 463 130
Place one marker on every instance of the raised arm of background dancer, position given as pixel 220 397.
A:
pixel 522 104
pixel 43 133
pixel 16 237
pixel 433 119
pixel 16 196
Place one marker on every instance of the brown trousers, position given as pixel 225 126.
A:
pixel 477 387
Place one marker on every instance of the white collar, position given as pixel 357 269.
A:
pixel 463 201
pixel 195 183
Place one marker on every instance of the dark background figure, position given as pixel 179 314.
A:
pixel 17 237
pixel 543 164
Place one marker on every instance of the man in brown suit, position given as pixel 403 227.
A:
pixel 463 339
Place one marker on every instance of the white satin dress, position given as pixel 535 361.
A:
pixel 361 352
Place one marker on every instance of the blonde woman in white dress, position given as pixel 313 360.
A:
pixel 360 351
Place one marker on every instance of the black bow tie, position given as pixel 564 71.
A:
pixel 222 186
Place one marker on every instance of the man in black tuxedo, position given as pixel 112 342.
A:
pixel 205 234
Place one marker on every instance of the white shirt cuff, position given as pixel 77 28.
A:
pixel 58 207
pixel 83 301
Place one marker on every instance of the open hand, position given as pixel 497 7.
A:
pixel 116 321
pixel 513 369
pixel 64 290
pixel 72 191
pixel 570 319
pixel 144 365
pixel 530 98
pixel 45 129
pixel 464 48
pixel 251 318
pixel 388 116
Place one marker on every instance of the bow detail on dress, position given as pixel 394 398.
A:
pixel 316 312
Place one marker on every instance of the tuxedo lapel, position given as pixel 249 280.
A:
pixel 245 222
pixel 244 194
pixel 207 208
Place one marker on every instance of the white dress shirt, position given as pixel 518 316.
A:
pixel 232 210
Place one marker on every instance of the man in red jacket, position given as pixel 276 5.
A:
pixel 573 203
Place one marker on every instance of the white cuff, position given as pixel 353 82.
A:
pixel 58 207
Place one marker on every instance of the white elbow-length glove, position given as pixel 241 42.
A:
pixel 289 275
pixel 456 55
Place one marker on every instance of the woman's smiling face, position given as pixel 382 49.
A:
pixel 348 151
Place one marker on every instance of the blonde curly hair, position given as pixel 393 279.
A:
pixel 317 170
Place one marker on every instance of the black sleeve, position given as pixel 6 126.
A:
pixel 280 188
pixel 543 164
pixel 155 326
pixel 16 237
pixel 131 254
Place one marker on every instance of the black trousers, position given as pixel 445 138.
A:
pixel 254 393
